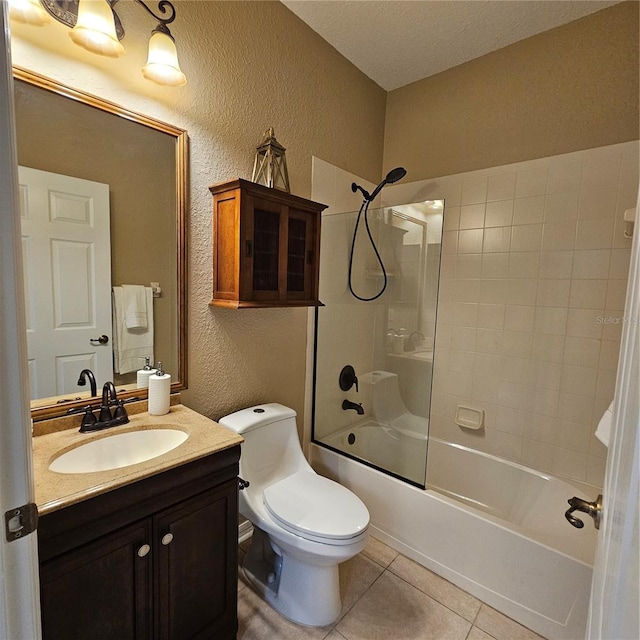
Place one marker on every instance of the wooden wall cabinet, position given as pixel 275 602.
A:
pixel 154 560
pixel 266 247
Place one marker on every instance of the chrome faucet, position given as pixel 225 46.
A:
pixel 347 404
pixel 82 380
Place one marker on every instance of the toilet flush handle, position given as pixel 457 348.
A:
pixel 242 484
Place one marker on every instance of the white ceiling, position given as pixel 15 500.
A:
pixel 396 42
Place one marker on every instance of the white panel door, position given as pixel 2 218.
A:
pixel 615 592
pixel 66 251
pixel 19 588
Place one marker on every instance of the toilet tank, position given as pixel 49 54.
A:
pixel 271 449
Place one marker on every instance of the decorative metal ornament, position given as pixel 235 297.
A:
pixel 270 165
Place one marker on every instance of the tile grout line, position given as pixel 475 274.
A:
pixel 438 601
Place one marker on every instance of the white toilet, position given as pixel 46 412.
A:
pixel 304 524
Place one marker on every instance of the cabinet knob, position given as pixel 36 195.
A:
pixel 167 538
pixel 144 550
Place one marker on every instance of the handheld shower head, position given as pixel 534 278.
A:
pixel 393 176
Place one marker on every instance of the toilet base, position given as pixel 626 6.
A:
pixel 301 591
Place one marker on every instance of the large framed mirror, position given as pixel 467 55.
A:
pixel 93 167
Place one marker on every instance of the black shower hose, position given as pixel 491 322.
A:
pixel 365 207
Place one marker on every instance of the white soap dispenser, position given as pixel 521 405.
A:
pixel 159 392
pixel 144 373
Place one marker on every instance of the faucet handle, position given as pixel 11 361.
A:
pixel 120 412
pixel 348 378
pixel 88 419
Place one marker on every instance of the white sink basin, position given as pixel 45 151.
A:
pixel 119 450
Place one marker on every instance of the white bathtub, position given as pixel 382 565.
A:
pixel 400 451
pixel 494 528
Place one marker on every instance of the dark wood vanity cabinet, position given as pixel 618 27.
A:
pixel 153 560
pixel 266 247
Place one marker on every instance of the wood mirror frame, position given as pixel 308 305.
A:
pixel 45 409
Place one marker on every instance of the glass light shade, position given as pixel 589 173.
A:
pixel 162 63
pixel 95 29
pixel 29 11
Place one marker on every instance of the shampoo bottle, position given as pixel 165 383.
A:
pixel 144 374
pixel 159 392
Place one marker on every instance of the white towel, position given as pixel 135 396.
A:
pixel 135 306
pixel 130 346
pixel 603 431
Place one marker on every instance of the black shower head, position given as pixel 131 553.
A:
pixel 393 176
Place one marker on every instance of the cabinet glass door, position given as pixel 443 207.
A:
pixel 296 254
pixel 266 248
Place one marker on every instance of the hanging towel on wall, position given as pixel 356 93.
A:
pixel 135 306
pixel 130 346
pixel 603 432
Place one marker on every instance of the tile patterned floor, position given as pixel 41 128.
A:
pixel 385 596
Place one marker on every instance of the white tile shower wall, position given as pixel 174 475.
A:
pixel 532 289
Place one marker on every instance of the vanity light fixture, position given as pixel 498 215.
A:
pixel 96 26
pixel 29 11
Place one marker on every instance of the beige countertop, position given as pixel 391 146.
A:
pixel 54 491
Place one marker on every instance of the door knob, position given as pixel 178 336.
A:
pixel 594 509
pixel 101 340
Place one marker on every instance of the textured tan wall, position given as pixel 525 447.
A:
pixel 570 88
pixel 250 65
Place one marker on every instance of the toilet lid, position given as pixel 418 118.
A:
pixel 313 506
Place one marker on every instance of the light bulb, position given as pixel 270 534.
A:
pixel 29 11
pixel 162 62
pixel 95 29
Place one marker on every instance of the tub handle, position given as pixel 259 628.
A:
pixel 594 509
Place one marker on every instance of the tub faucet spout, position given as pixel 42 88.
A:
pixel 347 404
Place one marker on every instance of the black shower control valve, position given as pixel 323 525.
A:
pixel 348 378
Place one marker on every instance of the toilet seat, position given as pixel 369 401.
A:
pixel 316 508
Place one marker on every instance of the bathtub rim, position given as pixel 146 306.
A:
pixel 369 421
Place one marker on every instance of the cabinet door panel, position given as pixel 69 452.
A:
pixel 301 258
pixel 266 250
pixel 101 591
pixel 197 571
pixel 296 254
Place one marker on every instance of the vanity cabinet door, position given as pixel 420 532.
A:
pixel 100 591
pixel 196 566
